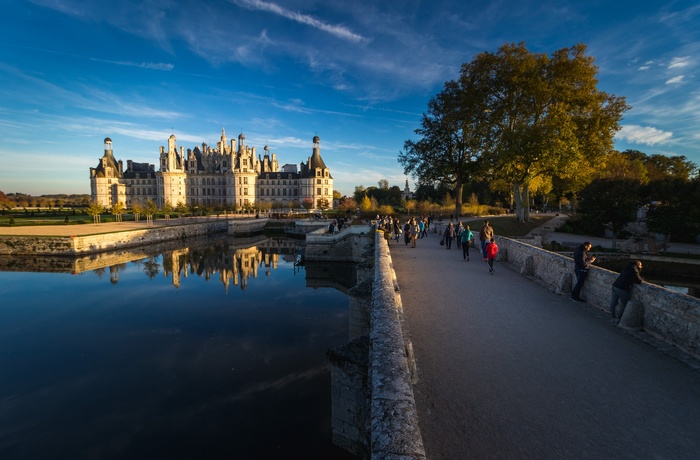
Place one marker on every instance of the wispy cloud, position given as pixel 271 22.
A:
pixel 677 62
pixel 645 135
pixel 675 80
pixel 336 30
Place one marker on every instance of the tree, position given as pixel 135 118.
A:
pixel 359 193
pixel 673 208
pixel 322 204
pixel 94 209
pixel 118 209
pixel 544 115
pixel 383 184
pixel 613 203
pixel 307 203
pixel 452 139
pixel 365 204
pixel 166 209
pixel 347 205
pixel 137 209
pixel 150 209
pixel 385 210
pixel 182 209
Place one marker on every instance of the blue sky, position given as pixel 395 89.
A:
pixel 357 74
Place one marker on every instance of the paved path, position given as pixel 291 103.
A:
pixel 507 369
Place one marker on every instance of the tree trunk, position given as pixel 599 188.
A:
pixel 526 200
pixel 459 189
pixel 518 202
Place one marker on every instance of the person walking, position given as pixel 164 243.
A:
pixel 622 286
pixel 458 234
pixel 415 230
pixel 485 235
pixel 466 237
pixel 421 228
pixel 407 232
pixel 449 235
pixel 491 252
pixel 582 262
pixel 397 229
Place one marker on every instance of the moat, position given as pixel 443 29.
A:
pixel 208 350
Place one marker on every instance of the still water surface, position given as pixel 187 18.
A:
pixel 209 352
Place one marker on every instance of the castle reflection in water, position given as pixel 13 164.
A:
pixel 233 261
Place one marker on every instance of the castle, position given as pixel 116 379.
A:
pixel 228 176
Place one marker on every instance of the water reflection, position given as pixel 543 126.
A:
pixel 152 353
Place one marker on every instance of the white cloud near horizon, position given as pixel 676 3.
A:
pixel 646 135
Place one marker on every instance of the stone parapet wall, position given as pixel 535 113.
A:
pixel 394 431
pixel 670 316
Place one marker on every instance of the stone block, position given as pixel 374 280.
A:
pixel 633 317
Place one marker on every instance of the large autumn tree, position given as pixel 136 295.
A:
pixel 546 116
pixel 519 117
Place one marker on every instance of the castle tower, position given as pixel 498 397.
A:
pixel 172 188
pixel 106 187
pixel 316 182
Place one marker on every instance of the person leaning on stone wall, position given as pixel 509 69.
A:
pixel 582 262
pixel 622 286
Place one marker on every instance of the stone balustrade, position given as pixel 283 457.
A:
pixel 668 315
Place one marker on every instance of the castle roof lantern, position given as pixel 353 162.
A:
pixel 107 139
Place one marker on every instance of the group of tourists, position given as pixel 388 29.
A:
pixel 464 237
pixel 413 229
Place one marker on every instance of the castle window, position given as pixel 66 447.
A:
pixel 245 180
pixel 318 181
pixel 318 191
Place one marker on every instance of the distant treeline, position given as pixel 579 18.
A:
pixel 20 200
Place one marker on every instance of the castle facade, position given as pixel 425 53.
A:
pixel 230 175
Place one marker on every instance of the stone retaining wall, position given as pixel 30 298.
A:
pixel 87 244
pixel 667 315
pixel 347 245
